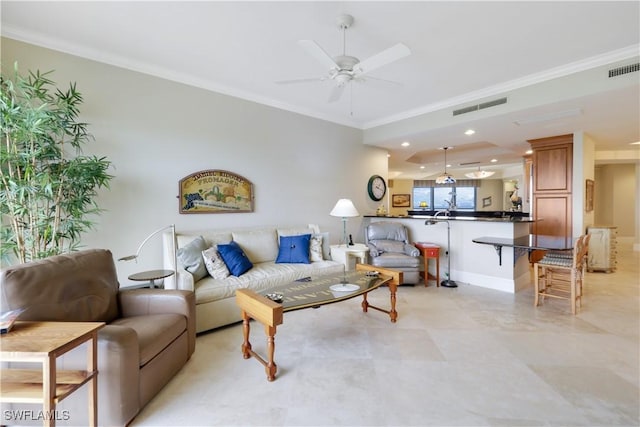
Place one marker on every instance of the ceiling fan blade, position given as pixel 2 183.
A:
pixel 378 80
pixel 293 81
pixel 383 58
pixel 319 53
pixel 336 93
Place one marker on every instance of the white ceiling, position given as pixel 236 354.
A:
pixel 544 57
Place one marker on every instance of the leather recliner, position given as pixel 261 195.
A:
pixel 149 333
pixel 389 247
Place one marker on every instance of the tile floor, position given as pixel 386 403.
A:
pixel 457 357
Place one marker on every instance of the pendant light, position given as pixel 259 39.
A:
pixel 479 174
pixel 445 178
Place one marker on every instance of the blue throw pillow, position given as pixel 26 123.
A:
pixel 294 249
pixel 235 258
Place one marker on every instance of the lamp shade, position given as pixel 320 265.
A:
pixel 445 178
pixel 344 208
pixel 479 174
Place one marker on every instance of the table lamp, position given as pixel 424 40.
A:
pixel 344 209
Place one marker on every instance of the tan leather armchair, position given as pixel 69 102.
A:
pixel 149 336
pixel 389 247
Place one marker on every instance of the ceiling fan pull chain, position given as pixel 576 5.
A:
pixel 344 41
pixel 351 100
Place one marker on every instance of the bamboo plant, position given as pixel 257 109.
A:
pixel 48 188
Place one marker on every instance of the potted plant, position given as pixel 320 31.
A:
pixel 48 188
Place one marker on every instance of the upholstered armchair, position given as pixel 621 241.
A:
pixel 149 333
pixel 389 247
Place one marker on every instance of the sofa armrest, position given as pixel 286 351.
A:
pixel 373 251
pixel 411 250
pixel 119 379
pixel 183 280
pixel 140 302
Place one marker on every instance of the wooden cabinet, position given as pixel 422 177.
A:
pixel 602 248
pixel 552 164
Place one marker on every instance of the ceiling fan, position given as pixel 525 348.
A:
pixel 344 69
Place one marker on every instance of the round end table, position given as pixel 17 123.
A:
pixel 151 276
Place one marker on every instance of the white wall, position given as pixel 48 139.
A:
pixel 156 132
pixel 616 195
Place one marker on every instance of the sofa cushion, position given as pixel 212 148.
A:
pixel 155 332
pixel 261 278
pixel 396 260
pixel 260 245
pixel 190 257
pixel 234 257
pixel 315 248
pixel 214 263
pixel 389 246
pixel 77 287
pixel 294 249
pixel 323 238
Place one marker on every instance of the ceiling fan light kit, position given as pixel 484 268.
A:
pixel 344 69
pixel 479 174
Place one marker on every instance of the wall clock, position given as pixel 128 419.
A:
pixel 377 187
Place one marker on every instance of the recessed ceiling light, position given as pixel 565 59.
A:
pixel 494 160
pixel 634 143
pixel 421 167
pixel 406 144
pixel 469 132
pixel 528 152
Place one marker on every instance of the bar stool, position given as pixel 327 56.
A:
pixel 429 251
pixel 561 274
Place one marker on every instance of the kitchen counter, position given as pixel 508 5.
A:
pixel 458 218
pixel 471 263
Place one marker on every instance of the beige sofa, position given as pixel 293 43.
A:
pixel 215 299
pixel 149 336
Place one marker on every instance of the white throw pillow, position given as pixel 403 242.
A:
pixel 214 263
pixel 315 248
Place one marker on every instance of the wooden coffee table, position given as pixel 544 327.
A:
pixel 305 293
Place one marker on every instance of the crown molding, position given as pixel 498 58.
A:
pixel 499 89
pixel 188 79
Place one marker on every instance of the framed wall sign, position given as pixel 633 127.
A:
pixel 401 201
pixel 215 191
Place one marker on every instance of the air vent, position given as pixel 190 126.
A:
pixel 615 72
pixel 482 106
pixel 469 163
pixel 492 103
pixel 465 110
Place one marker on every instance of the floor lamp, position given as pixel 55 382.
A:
pixel 447 283
pixel 172 227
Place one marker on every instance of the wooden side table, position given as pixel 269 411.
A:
pixel 429 251
pixel 43 343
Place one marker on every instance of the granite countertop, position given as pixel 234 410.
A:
pixel 507 218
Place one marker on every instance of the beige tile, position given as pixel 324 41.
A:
pixel 456 357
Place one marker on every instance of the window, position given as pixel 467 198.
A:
pixel 466 197
pixel 438 197
pixel 421 194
